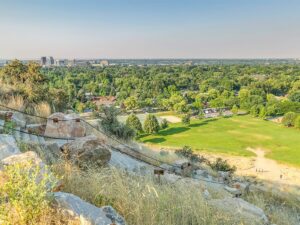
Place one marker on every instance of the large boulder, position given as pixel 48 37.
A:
pixel 8 146
pixel 183 167
pixel 68 125
pixel 240 209
pixel 86 151
pixel 88 214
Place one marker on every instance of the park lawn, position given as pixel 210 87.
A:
pixel 232 136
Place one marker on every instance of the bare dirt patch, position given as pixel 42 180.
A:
pixel 171 119
pixel 262 168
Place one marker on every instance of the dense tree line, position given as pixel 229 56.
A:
pixel 264 90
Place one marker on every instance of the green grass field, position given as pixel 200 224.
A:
pixel 233 136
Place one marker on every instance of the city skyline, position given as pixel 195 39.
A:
pixel 149 29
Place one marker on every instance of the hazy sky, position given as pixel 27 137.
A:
pixel 150 28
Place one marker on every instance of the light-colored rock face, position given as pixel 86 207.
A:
pixel 64 129
pixel 8 146
pixel 240 209
pixel 88 214
pixel 23 158
pixel 86 151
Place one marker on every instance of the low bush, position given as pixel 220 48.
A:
pixel 188 153
pixel 222 165
pixel 24 197
pixel 186 119
pixel 164 124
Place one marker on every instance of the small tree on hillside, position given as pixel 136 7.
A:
pixel 151 124
pixel 297 122
pixel 111 125
pixel 134 123
pixel 235 110
pixel 263 112
pixel 254 111
pixel 289 119
pixel 164 124
pixel 186 119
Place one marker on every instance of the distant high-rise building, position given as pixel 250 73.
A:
pixel 43 61
pixel 60 62
pixel 51 60
pixel 47 61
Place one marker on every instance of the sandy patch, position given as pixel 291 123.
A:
pixel 262 168
pixel 171 119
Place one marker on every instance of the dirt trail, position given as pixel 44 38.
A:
pixel 263 168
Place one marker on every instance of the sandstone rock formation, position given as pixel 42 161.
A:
pixel 66 127
pixel 86 151
pixel 8 146
pixel 88 214
pixel 240 209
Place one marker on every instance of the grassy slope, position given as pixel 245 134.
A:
pixel 233 136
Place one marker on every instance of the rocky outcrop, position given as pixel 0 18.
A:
pixel 86 151
pixel 31 157
pixel 240 210
pixel 8 146
pixel 88 214
pixel 64 126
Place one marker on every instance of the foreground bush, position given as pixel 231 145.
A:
pixel 24 195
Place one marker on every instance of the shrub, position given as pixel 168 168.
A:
pixel 111 125
pixel 24 194
pixel 43 109
pixel 263 112
pixel 235 109
pixel 187 152
pixel 222 165
pixel 186 119
pixel 151 124
pixel 254 111
pixel 297 122
pixel 201 114
pixel 134 123
pixel 289 118
pixel 164 124
pixel 8 127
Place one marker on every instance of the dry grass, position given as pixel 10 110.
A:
pixel 142 200
pixel 42 109
pixel 280 210
pixel 15 102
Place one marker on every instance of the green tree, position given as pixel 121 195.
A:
pixel 297 122
pixel 235 110
pixel 131 103
pixel 151 124
pixel 186 119
pixel 164 124
pixel 262 112
pixel 254 111
pixel 133 122
pixel 289 118
pixel 111 125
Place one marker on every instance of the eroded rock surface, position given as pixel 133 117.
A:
pixel 86 151
pixel 88 214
